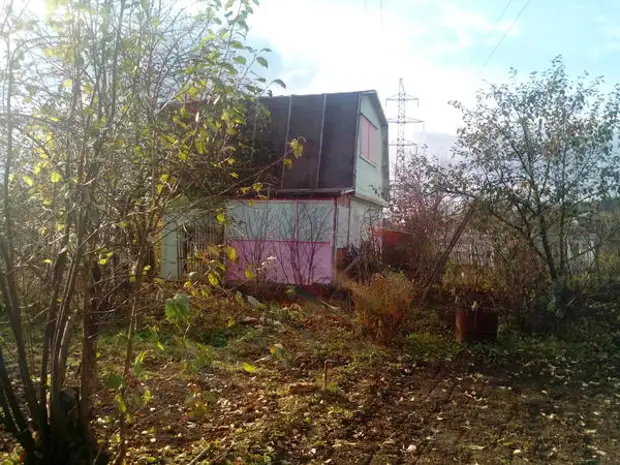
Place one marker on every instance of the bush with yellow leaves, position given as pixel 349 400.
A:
pixel 382 305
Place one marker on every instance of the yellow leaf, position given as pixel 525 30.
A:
pixel 214 280
pixel 234 175
pixel 55 177
pixel 29 181
pixel 288 163
pixel 248 368
pixel 249 274
pixel 231 252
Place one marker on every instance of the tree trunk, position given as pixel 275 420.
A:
pixel 440 266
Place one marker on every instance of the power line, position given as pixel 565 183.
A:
pixel 498 19
pixel 472 62
pixel 501 40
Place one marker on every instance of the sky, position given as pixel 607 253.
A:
pixel 443 49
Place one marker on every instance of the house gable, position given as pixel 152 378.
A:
pixel 372 163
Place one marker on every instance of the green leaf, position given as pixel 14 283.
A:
pixel 279 82
pixel 121 403
pixel 139 360
pixel 240 60
pixel 164 177
pixel 262 61
pixel 177 310
pixel 239 298
pixel 249 368
pixel 220 218
pixel 112 381
pixel 147 396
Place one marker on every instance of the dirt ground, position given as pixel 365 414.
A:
pixel 299 387
pixel 270 399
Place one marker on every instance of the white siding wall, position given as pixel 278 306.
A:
pixel 343 227
pixel 364 215
pixel 169 244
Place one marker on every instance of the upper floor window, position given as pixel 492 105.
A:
pixel 369 136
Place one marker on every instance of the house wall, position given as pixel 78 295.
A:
pixel 370 179
pixel 337 167
pixel 169 238
pixel 364 217
pixel 182 241
pixel 342 234
pixel 328 123
pixel 284 241
pixel 306 120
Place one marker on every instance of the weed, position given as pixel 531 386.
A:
pixel 382 305
pixel 430 347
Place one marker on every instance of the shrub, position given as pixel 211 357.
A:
pixel 382 305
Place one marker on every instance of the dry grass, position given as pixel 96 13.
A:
pixel 382 305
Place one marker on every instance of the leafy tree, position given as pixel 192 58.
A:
pixel 99 144
pixel 536 153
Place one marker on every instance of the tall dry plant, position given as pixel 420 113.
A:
pixel 381 307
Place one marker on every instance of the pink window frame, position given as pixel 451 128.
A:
pixel 368 135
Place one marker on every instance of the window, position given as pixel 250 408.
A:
pixel 369 140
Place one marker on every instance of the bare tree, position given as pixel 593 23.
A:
pixel 310 228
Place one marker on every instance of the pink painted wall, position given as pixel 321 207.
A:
pixel 289 262
pixel 297 233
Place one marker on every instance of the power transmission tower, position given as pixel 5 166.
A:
pixel 402 120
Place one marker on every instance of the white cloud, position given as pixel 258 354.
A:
pixel 609 28
pixel 353 46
